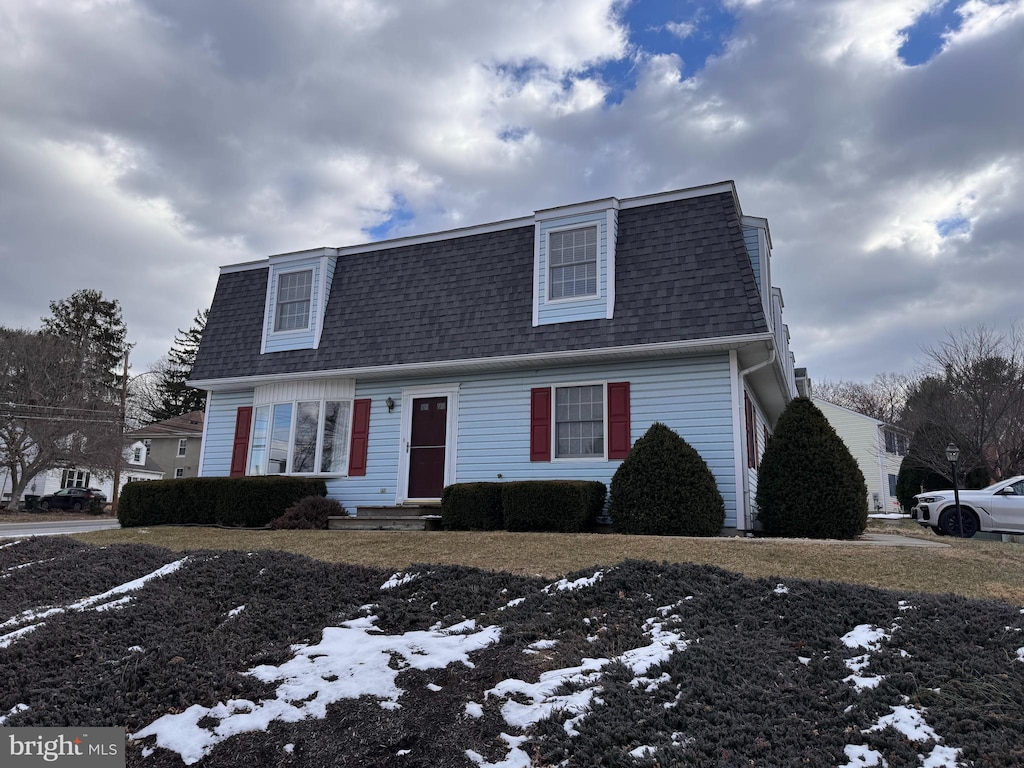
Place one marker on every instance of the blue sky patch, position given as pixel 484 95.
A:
pixel 954 225
pixel 691 29
pixel 513 133
pixel 400 213
pixel 923 39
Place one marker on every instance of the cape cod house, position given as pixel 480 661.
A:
pixel 539 347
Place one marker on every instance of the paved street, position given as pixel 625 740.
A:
pixel 17 530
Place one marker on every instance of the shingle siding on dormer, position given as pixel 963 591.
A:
pixel 752 240
pixel 682 273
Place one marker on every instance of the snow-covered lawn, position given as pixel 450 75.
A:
pixel 264 658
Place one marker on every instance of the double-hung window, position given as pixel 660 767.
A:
pixel 294 290
pixel 572 256
pixel 579 422
pixel 304 437
pixel 182 446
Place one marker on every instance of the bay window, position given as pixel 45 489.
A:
pixel 304 437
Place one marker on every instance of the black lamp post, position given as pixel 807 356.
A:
pixel 952 454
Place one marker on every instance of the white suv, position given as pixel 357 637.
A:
pixel 997 509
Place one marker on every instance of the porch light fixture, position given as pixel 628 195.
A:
pixel 390 403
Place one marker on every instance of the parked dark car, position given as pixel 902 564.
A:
pixel 72 498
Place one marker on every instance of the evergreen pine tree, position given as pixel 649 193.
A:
pixel 809 484
pixel 96 330
pixel 175 397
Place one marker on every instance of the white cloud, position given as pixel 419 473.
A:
pixel 213 133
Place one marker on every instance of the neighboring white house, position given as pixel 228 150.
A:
pixel 134 468
pixel 878 448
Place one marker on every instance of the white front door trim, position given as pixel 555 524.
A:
pixel 451 391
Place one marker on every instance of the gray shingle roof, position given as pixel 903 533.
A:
pixel 682 273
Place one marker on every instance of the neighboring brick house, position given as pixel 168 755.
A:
pixel 532 348
pixel 172 446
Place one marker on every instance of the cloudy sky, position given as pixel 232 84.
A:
pixel 145 143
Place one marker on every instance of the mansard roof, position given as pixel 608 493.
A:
pixel 682 273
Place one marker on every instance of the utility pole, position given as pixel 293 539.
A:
pixel 120 436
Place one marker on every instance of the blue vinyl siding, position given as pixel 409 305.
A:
pixel 276 342
pixel 690 395
pixel 568 310
pixel 750 237
pixel 221 411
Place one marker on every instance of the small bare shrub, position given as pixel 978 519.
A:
pixel 309 513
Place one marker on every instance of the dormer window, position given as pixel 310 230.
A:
pixel 294 294
pixel 573 263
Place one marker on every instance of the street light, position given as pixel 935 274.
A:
pixel 952 454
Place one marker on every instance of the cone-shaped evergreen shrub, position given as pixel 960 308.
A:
pixel 664 487
pixel 914 479
pixel 809 484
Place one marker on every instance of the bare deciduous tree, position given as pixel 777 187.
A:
pixel 972 394
pixel 883 398
pixel 50 417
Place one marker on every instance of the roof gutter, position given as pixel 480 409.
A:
pixel 740 415
pixel 499 363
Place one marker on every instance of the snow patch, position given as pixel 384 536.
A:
pixel 565 584
pixel 516 757
pixel 350 661
pixel 13 711
pixel 865 636
pixel 399 579
pixel 860 756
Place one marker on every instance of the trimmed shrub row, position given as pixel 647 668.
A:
pixel 248 502
pixel 565 506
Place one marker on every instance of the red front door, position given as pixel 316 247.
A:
pixel 427 447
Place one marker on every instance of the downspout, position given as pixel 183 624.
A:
pixel 742 414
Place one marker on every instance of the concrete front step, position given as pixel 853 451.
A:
pixel 408 510
pixel 382 523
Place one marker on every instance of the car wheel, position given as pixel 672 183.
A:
pixel 77 506
pixel 951 524
pixel 44 505
pixel 937 531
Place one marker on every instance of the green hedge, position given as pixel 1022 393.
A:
pixel 472 507
pixel 522 505
pixel 551 505
pixel 249 502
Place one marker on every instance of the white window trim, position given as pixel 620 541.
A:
pixel 451 391
pixel 291 436
pixel 555 458
pixel 182 446
pixel 179 472
pixel 590 297
pixel 313 292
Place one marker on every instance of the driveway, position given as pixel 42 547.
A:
pixel 18 530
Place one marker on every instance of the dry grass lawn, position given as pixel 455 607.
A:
pixel 971 568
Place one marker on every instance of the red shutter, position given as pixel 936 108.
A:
pixel 240 448
pixel 360 438
pixel 540 424
pixel 619 441
pixel 750 417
